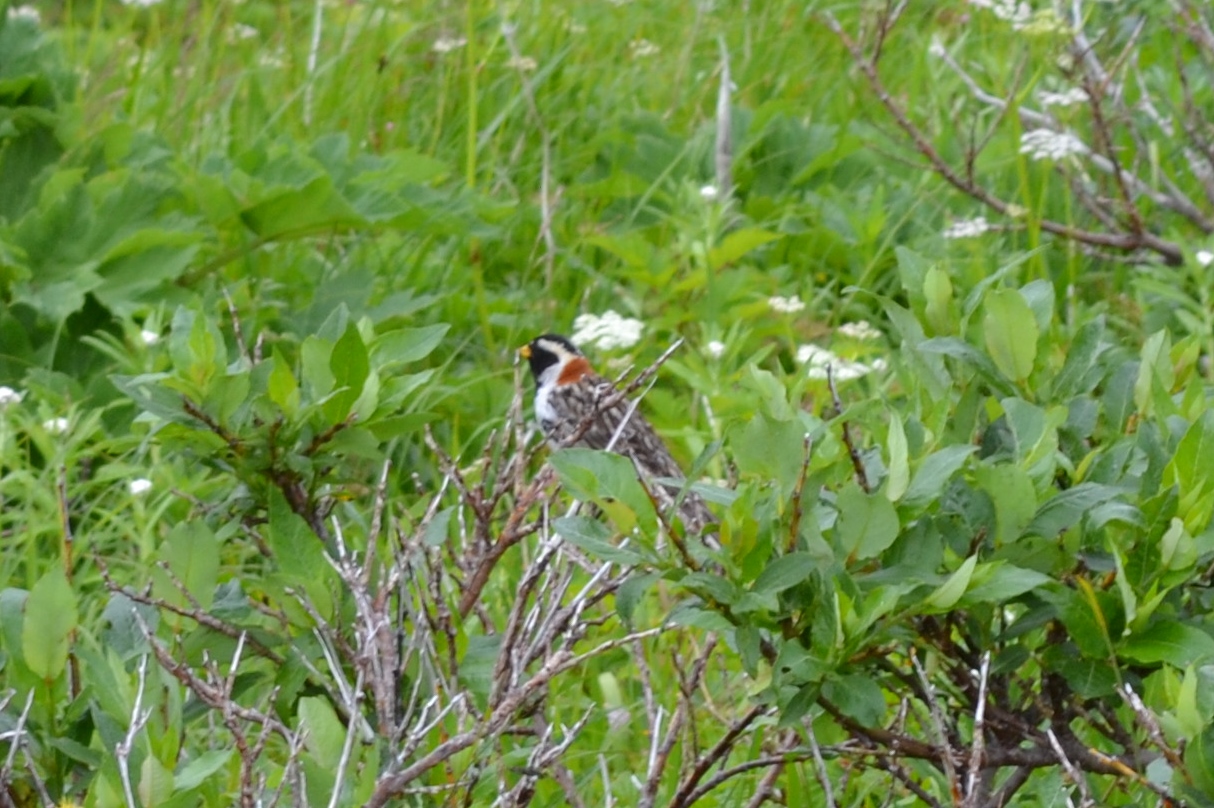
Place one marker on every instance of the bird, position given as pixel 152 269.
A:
pixel 567 391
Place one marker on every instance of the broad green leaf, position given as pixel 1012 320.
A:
pixel 629 595
pixel 737 244
pixel 282 388
pixel 350 366
pixel 938 294
pixel 1011 490
pixel 608 479
pixel 50 619
pixel 1011 332
pixel 297 549
pixel 783 572
pixel 1178 644
pixel 998 582
pixel 1068 507
pixel 1080 373
pixel 192 553
pixel 868 523
pixel 201 768
pixel 770 449
pixel 595 538
pixel 858 697
pixel 407 344
pixel 1199 761
pixel 899 463
pixel 947 595
pixel 315 357
pixel 961 350
pixel 935 472
pixel 1155 374
pixel 324 734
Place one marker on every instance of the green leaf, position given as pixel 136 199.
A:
pixel 407 344
pixel 998 582
pixel 1199 761
pixel 947 595
pixel 324 734
pixel 630 593
pixel 1080 372
pixel 1015 499
pixel 50 619
pixel 351 367
pixel 595 538
pixel 899 463
pixel 297 549
pixel 605 478
pixel 868 523
pixel 737 244
pixel 1068 507
pixel 1011 333
pixel 201 768
pixel 192 553
pixel 784 572
pixel 1175 643
pixel 282 387
pixel 935 472
pixel 770 449
pixel 1155 374
pixel 938 294
pixel 858 697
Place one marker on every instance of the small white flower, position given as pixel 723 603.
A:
pixel 642 48
pixel 272 60
pixel 1045 144
pixel 139 486
pixel 607 331
pixel 1205 257
pixel 936 47
pixel 55 426
pixel 24 13
pixel 524 64
pixel 715 349
pixel 575 27
pixel 967 228
pixel 149 337
pixel 240 32
pixel 1017 14
pixel 820 360
pixel 140 3
pixel 1066 98
pixel 709 193
pixel 8 397
pixel 861 330
pixel 446 44
pixel 785 305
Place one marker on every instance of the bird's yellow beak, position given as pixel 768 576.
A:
pixel 525 352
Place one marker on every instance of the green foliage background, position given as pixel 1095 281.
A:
pixel 320 225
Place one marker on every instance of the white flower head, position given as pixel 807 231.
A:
pixel 715 349
pixel 642 48
pixel 1205 257
pixel 861 330
pixel 140 3
pixel 936 47
pixel 24 13
pixel 240 32
pixel 1066 98
pixel 1046 144
pixel 1018 14
pixel 821 362
pixel 523 64
pixel 785 305
pixel 9 397
pixel 967 228
pixel 607 331
pixel 709 193
pixel 139 486
pixel 56 426
pixel 446 44
pixel 149 337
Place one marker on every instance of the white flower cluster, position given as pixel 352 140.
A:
pixel 1066 98
pixel 1018 14
pixel 817 360
pixel 1204 257
pixel 642 48
pixel 140 3
pixel 785 305
pixel 967 228
pixel 607 331
pixel 715 349
pixel 709 193
pixel 1046 144
pixel 9 397
pixel 523 64
pixel 861 330
pixel 139 487
pixel 446 44
pixel 56 426
pixel 24 13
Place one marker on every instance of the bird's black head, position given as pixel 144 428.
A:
pixel 546 351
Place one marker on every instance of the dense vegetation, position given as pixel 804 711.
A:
pixel 922 298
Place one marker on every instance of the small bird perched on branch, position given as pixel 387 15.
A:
pixel 567 391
